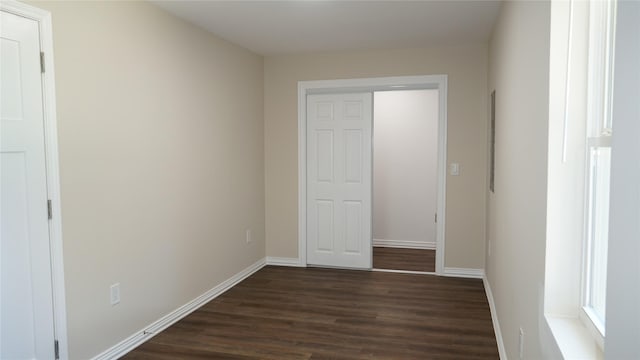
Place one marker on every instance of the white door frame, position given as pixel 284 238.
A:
pixel 52 165
pixel 369 85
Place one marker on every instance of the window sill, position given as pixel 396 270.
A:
pixel 573 338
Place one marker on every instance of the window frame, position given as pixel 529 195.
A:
pixel 599 132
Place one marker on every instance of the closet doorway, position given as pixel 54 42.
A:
pixel 309 126
pixel 405 179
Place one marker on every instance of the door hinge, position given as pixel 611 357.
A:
pixel 49 210
pixel 56 349
pixel 435 217
pixel 42 62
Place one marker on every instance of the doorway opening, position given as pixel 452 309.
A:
pixel 308 126
pixel 405 179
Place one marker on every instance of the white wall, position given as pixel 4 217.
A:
pixel 623 280
pixel 515 264
pixel 160 130
pixel 519 55
pixel 405 162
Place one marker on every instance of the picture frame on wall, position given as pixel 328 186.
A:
pixel 492 142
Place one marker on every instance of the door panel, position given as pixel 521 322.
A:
pixel 325 225
pixel 353 226
pixel 353 156
pixel 339 180
pixel 324 149
pixel 26 309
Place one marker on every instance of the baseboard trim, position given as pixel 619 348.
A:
pixel 502 352
pixel 404 244
pixel 171 318
pixel 405 271
pixel 463 272
pixel 283 261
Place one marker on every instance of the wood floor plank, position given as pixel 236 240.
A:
pixel 404 259
pixel 312 313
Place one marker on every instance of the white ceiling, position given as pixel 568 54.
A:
pixel 285 27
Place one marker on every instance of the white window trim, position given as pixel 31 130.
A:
pixel 599 130
pixel 595 331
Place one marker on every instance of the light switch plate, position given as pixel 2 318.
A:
pixel 115 294
pixel 454 169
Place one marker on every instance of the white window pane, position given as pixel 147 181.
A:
pixel 610 43
pixel 599 232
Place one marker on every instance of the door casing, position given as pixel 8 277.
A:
pixel 370 85
pixel 52 165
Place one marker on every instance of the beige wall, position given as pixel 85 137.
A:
pixel 519 73
pixel 162 169
pixel 467 116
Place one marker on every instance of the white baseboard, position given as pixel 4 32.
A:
pixel 283 261
pixel 164 322
pixel 405 271
pixel 502 352
pixel 404 244
pixel 463 272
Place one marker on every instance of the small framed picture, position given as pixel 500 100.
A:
pixel 492 142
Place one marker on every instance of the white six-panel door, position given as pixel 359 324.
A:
pixel 339 180
pixel 26 310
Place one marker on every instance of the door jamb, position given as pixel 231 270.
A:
pixel 43 18
pixel 369 85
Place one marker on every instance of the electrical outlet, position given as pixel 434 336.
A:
pixel 115 294
pixel 248 236
pixel 521 344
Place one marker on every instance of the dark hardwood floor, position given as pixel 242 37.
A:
pixel 312 313
pixel 404 259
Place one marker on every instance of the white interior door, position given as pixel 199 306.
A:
pixel 27 329
pixel 339 180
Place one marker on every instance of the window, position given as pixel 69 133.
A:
pixel 579 162
pixel 598 164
